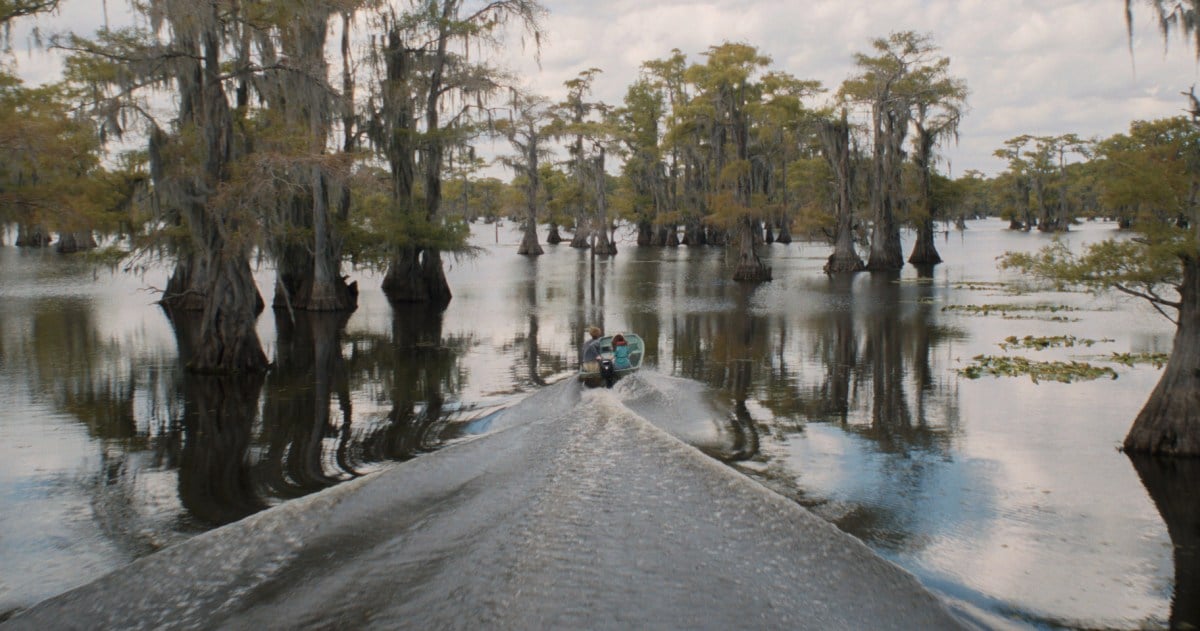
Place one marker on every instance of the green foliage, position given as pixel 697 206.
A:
pixel 377 230
pixel 1139 267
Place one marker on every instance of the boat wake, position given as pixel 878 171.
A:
pixel 577 509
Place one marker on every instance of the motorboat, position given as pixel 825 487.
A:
pixel 620 354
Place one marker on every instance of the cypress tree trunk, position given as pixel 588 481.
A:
pixel 185 287
pixel 552 236
pixel 1169 423
pixel 924 250
pixel 785 231
pixel 749 268
pixel 32 236
pixel 77 241
pixel 658 236
pixel 402 282
pixel 582 234
pixel 886 253
pixel 835 138
pixel 885 245
pixel 645 233
pixel 328 290
pixel 529 241
pixel 228 340
pixel 602 245
pixel 433 275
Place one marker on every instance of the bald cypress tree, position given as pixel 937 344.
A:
pixel 838 152
pixel 726 87
pixel 528 131
pixel 890 84
pixel 938 103
pixel 302 187
pixel 434 80
pixel 1168 255
pixel 191 163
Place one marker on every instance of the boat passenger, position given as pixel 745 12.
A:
pixel 620 352
pixel 591 348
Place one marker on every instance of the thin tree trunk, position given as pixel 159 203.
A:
pixel 1169 423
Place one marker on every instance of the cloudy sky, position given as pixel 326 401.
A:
pixel 1032 66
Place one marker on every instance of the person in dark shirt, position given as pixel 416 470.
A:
pixel 591 348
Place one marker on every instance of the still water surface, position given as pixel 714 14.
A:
pixel 1006 497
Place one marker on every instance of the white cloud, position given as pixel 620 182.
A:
pixel 1033 66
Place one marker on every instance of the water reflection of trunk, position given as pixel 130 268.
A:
pixel 87 376
pixel 643 292
pixel 884 352
pixel 840 354
pixel 1172 484
pixel 423 369
pixel 920 342
pixel 309 371
pixel 215 481
pixel 749 344
pixel 531 339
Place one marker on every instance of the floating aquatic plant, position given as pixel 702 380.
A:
pixel 1044 342
pixel 1158 360
pixel 1007 308
pixel 1062 372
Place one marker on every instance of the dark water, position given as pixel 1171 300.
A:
pixel 1007 497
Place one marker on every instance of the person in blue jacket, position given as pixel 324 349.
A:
pixel 620 352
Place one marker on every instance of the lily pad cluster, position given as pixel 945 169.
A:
pixel 1158 360
pixel 1044 342
pixel 1038 371
pixel 1015 311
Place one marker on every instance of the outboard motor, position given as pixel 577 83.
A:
pixel 608 372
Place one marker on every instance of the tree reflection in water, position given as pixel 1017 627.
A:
pixel 860 357
pixel 309 372
pixel 215 482
pixel 231 466
pixel 1172 484
pixel 416 370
